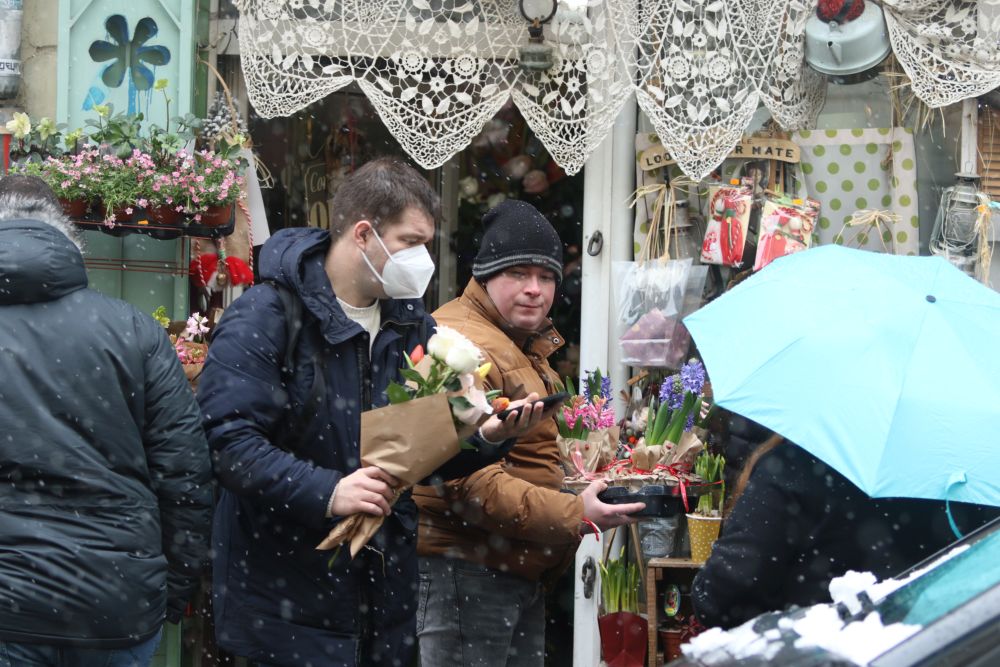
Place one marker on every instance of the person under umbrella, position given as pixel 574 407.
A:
pixel 879 368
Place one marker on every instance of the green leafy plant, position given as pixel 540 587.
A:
pixel 121 132
pixel 619 585
pixel 33 142
pixel 709 467
pixel 160 315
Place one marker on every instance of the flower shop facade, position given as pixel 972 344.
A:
pixel 610 144
pixel 618 148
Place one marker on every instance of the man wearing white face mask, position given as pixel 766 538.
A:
pixel 292 366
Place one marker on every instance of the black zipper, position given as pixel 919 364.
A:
pixel 365 368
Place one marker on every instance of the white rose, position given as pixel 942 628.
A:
pixel 464 357
pixel 441 342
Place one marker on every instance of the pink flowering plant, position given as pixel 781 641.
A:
pixel 190 344
pixel 217 179
pixel 124 183
pixel 588 412
pixel 194 182
pixel 195 332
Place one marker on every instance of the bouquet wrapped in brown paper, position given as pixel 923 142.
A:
pixel 425 425
pixel 590 454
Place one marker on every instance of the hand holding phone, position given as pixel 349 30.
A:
pixel 548 403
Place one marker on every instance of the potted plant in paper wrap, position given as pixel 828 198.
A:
pixel 660 461
pixel 588 436
pixel 705 521
pixel 189 343
pixel 624 633
pixel 425 424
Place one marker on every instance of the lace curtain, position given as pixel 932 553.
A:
pixel 438 70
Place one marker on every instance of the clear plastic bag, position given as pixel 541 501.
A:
pixel 649 299
pixel 659 536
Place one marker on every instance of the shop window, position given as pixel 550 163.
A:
pixel 507 160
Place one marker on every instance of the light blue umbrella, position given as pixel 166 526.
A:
pixel 887 368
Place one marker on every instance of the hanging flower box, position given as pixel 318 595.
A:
pixel 133 179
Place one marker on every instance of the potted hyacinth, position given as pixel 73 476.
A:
pixel 588 435
pixel 706 520
pixel 661 460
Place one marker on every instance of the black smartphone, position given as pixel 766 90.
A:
pixel 549 401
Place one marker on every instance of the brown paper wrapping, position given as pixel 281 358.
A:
pixel 685 451
pixel 407 440
pixel 647 457
pixel 598 450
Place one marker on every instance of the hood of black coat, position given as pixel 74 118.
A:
pixel 37 263
pixel 294 258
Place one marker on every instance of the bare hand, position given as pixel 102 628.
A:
pixel 605 515
pixel 516 425
pixel 367 490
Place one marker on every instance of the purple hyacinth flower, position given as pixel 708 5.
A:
pixel 671 392
pixel 693 377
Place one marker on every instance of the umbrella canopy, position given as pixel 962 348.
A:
pixel 887 368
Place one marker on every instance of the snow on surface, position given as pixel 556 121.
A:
pixel 860 641
pixel 820 626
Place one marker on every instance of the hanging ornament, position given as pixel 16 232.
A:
pixel 206 273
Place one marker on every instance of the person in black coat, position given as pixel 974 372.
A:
pixel 796 523
pixel 287 452
pixel 105 473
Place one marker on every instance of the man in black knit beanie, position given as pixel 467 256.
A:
pixel 489 543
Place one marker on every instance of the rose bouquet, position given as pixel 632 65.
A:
pixel 588 435
pixel 441 403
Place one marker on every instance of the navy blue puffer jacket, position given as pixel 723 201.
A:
pixel 105 479
pixel 277 599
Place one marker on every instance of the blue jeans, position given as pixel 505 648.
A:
pixel 13 654
pixel 472 616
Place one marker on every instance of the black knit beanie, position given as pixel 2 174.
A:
pixel 517 234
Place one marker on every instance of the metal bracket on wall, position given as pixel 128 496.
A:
pixel 588 574
pixel 595 244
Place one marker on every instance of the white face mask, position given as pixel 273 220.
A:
pixel 406 273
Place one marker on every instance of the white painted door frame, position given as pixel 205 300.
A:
pixel 609 179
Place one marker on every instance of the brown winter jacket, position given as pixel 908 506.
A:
pixel 509 516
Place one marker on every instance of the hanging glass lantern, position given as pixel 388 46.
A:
pixel 535 56
pixel 955 235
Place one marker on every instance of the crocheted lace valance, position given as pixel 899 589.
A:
pixel 438 70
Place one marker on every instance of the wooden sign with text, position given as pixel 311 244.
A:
pixel 751 148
